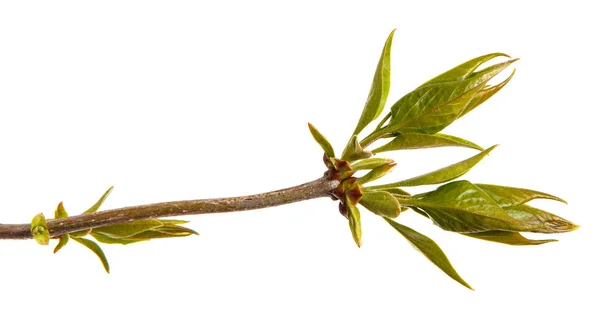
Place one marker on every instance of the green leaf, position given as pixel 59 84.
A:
pixel 509 238
pixel 432 107
pixel 321 140
pixel 354 223
pixel 485 94
pixel 108 240
pixel 354 151
pixel 464 70
pixel 442 175
pixel 376 173
pixel 422 140
pixel 80 234
pixel 99 203
pixel 379 88
pixel 175 231
pixel 371 163
pixel 96 249
pixel 549 223
pixel 60 211
pixel 128 229
pixel 463 207
pixel 62 242
pixel 512 196
pixel 395 191
pixel 381 203
pixel 428 248
pixel 39 229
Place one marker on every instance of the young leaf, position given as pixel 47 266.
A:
pixel 96 249
pixel 422 140
pixel 428 248
pixel 60 211
pixel 128 229
pixel 354 223
pixel 379 88
pixel 108 240
pixel 432 107
pixel 464 70
pixel 442 175
pixel 395 191
pixel 509 238
pixel 550 223
pixel 39 229
pixel 381 203
pixel 354 151
pixel 512 196
pixel 371 163
pixel 62 241
pixel 376 173
pixel 99 203
pixel 463 207
pixel 485 94
pixel 321 140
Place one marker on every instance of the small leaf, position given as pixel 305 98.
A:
pixel 60 211
pixel 395 191
pixel 550 223
pixel 485 94
pixel 381 203
pixel 175 231
pixel 371 163
pixel 80 234
pixel 422 140
pixel 354 151
pixel 442 175
pixel 432 107
pixel 379 88
pixel 376 173
pixel 509 238
pixel 354 223
pixel 108 240
pixel 464 70
pixel 62 242
pixel 99 203
pixel 96 249
pixel 512 196
pixel 430 249
pixel 463 207
pixel 128 229
pixel 39 229
pixel 321 140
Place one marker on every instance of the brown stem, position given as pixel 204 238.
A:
pixel 57 227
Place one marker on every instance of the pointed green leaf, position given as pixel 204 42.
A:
pixel 96 249
pixel 173 222
pixel 464 70
pixel 381 203
pixel 371 163
pixel 128 229
pixel 432 107
pixel 175 231
pixel 512 196
pixel 442 175
pixel 550 223
pixel 60 211
pixel 376 173
pixel 80 234
pixel 463 207
pixel 422 140
pixel 379 88
pixel 354 151
pixel 108 240
pixel 39 229
pixel 62 241
pixel 395 191
pixel 354 223
pixel 485 94
pixel 509 238
pixel 99 203
pixel 428 248
pixel 321 140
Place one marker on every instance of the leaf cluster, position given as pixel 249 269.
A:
pixel 124 234
pixel 482 211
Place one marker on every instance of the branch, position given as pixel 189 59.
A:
pixel 57 227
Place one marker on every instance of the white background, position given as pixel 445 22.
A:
pixel 181 100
